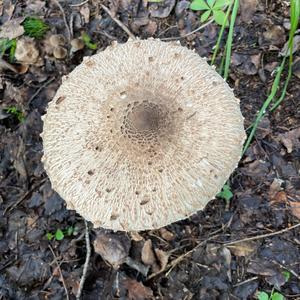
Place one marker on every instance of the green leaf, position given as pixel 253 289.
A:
pixel 205 16
pixel 199 5
pixel 88 41
pixel 287 275
pixel 12 50
pixel 262 296
pixel 219 17
pixel 49 236
pixel 277 296
pixel 211 3
pixel 59 235
pixel 70 230
pixel 226 193
pixel 220 4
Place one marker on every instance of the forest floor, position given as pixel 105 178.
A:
pixel 228 251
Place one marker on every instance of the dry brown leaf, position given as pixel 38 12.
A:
pixel 135 236
pixel 163 258
pixel 247 8
pixel 295 208
pixel 280 197
pixel 12 29
pixel 148 257
pixel 113 248
pixel 136 290
pixel 243 248
pixel 166 235
pixel 290 139
pixel 275 187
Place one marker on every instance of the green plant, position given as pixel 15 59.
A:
pixel 294 18
pixel 9 46
pixel 88 41
pixel 12 110
pixel 60 234
pixel 212 7
pixel 35 27
pixel 226 193
pixel 272 296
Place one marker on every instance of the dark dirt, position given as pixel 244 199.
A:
pixel 156 264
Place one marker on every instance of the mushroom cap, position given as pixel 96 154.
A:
pixel 141 135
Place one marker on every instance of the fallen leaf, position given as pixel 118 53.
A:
pixel 148 257
pixel 247 9
pixel 280 197
pixel 274 36
pixel 113 248
pixel 284 51
pixel 275 187
pixel 12 29
pixel 151 28
pixel 166 235
pixel 136 290
pixel 290 139
pixel 162 9
pixel 163 258
pixel 295 208
pixel 243 248
pixel 135 236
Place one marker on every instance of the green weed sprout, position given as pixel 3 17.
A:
pixel 226 193
pixel 294 16
pixel 59 234
pixel 9 46
pixel 35 27
pixel 12 110
pixel 88 41
pixel 212 7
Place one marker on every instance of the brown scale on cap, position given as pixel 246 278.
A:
pixel 153 149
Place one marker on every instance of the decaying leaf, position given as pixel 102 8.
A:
pixel 247 8
pixel 243 248
pixel 12 29
pixel 113 248
pixel 295 208
pixel 163 258
pixel 291 139
pixel 296 46
pixel 148 257
pixel 136 290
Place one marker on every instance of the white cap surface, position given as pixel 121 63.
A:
pixel 141 135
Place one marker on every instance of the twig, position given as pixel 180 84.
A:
pixel 27 194
pixel 79 4
pixel 39 89
pixel 118 22
pixel 190 33
pixel 65 19
pixel 60 272
pixel 287 269
pixel 262 235
pixel 87 260
pixel 245 281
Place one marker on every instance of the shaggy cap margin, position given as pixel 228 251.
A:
pixel 141 135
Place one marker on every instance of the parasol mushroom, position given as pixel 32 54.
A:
pixel 141 135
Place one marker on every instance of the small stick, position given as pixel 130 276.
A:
pixel 40 88
pixel 245 281
pixel 190 33
pixel 79 4
pixel 87 260
pixel 262 235
pixel 60 272
pixel 118 21
pixel 65 19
